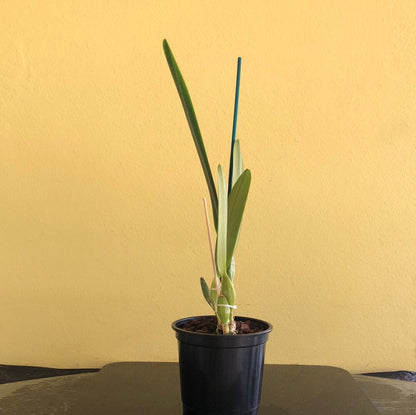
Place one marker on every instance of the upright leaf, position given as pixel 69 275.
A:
pixel 193 125
pixel 236 204
pixel 221 251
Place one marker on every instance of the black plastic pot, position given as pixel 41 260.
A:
pixel 221 374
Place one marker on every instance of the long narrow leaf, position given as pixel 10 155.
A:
pixel 237 94
pixel 236 204
pixel 193 125
pixel 222 224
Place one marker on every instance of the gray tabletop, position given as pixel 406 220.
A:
pixel 153 389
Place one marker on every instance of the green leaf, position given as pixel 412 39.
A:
pixel 205 291
pixel 236 204
pixel 231 269
pixel 228 289
pixel 193 125
pixel 237 162
pixel 221 251
pixel 213 295
pixel 223 313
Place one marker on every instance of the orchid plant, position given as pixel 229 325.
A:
pixel 228 206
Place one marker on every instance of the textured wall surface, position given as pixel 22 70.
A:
pixel 103 236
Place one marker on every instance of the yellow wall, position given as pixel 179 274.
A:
pixel 102 228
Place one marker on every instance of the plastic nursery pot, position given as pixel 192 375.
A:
pixel 221 374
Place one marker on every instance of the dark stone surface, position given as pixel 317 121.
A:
pixel 61 395
pixel 398 375
pixel 12 373
pixel 15 373
pixel 135 388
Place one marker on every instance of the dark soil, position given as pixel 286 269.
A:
pixel 208 325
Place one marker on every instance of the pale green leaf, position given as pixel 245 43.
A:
pixel 221 251
pixel 231 269
pixel 213 294
pixel 236 204
pixel 224 313
pixel 227 288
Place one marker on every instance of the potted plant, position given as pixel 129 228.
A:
pixel 221 357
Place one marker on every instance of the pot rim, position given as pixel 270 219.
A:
pixel 184 319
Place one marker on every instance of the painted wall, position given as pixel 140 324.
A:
pixel 103 237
